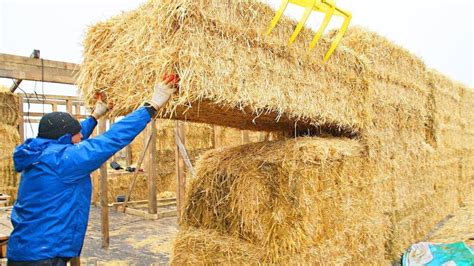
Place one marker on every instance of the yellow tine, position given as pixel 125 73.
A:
pixel 340 33
pixel 323 26
pixel 278 14
pixel 303 20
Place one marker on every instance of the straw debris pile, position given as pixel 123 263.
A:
pixel 9 139
pixel 399 160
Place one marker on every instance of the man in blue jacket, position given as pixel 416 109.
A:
pixel 52 209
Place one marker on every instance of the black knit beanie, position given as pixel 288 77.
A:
pixel 56 124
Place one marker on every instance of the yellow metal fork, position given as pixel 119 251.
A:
pixel 325 6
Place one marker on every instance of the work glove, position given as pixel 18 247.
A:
pixel 100 109
pixel 164 90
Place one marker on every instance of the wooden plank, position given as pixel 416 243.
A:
pixel 21 123
pixel 36 114
pixel 152 167
pixel 146 215
pixel 180 174
pixel 53 97
pixel 103 195
pixel 26 68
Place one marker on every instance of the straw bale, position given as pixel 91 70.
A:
pixel 387 61
pixel 9 179
pixel 207 247
pixel 9 107
pixel 306 198
pixel 200 40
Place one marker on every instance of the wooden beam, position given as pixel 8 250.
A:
pixel 26 68
pixel 103 194
pixel 152 167
pixel 37 114
pixel 16 82
pixel 53 97
pixel 181 177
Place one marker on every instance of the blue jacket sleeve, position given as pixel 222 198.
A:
pixel 88 126
pixel 83 158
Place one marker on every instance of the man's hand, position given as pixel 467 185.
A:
pixel 99 110
pixel 164 90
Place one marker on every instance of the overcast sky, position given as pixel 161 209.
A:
pixel 439 31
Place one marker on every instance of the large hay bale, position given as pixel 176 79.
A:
pixel 306 200
pixel 9 107
pixel 201 41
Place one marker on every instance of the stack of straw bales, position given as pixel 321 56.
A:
pixel 9 139
pixel 400 157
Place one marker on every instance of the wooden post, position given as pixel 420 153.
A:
pixel 55 107
pixel 69 107
pixel 128 155
pixel 21 124
pixel 152 167
pixel 217 136
pixel 103 194
pixel 78 110
pixel 244 137
pixel 181 177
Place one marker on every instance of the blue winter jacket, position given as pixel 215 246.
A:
pixel 52 208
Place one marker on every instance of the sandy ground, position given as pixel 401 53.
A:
pixel 133 240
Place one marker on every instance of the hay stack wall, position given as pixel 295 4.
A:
pixel 372 91
pixel 9 139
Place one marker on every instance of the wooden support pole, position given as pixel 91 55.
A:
pixel 184 153
pixel 217 136
pixel 152 167
pixel 55 107
pixel 180 174
pixel 69 107
pixel 128 155
pixel 103 194
pixel 135 174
